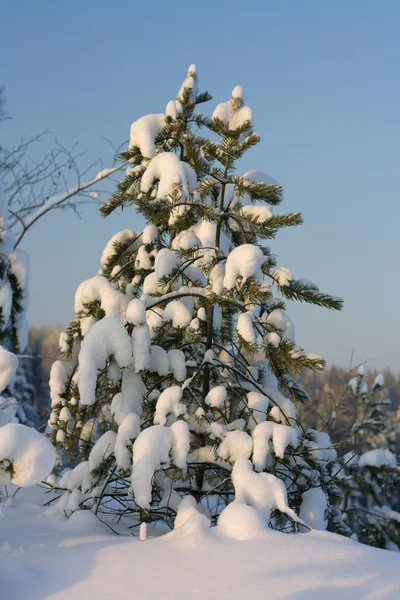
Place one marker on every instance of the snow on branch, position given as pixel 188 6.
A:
pixel 35 185
pixel 61 199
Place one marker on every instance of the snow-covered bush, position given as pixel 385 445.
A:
pixel 26 456
pixel 185 376
pixel 369 473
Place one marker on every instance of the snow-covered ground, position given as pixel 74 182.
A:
pixel 44 556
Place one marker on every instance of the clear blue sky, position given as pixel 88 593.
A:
pixel 323 81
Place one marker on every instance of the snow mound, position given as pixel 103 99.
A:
pixel 26 456
pixel 241 522
pixel 81 559
pixel 189 520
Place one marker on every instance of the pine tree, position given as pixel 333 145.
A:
pixel 14 266
pixel 26 457
pixel 184 382
pixel 369 473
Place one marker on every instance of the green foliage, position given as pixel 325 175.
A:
pixel 297 290
pixel 261 357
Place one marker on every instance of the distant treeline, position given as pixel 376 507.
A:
pixel 332 409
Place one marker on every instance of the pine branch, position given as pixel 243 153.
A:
pixel 296 290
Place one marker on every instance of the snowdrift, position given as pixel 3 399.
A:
pixel 47 557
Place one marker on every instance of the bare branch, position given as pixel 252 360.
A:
pixel 35 186
pixel 57 201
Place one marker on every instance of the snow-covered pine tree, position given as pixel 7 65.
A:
pixel 14 270
pixel 184 379
pixel 369 473
pixel 26 457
